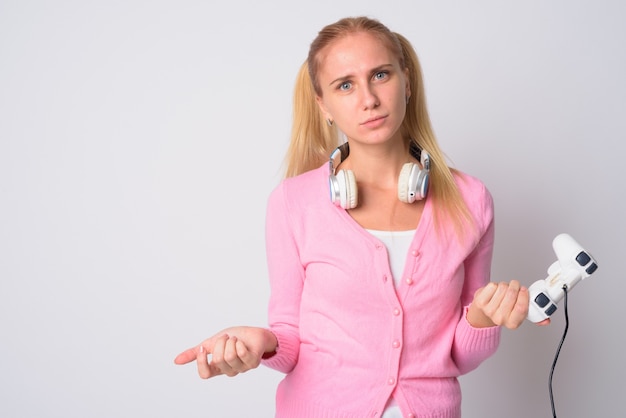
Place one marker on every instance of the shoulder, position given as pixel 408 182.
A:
pixel 304 190
pixel 469 184
pixel 475 194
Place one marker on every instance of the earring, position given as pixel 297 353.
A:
pixel 329 122
pixel 407 99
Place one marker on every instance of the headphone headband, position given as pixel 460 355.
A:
pixel 341 153
pixel 343 150
pixel 412 183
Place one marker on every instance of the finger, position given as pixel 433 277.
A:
pixel 186 356
pixel 206 369
pixel 191 354
pixel 493 299
pixel 219 354
pixel 502 304
pixel 249 359
pixel 510 297
pixel 505 294
pixel 202 362
pixel 483 295
pixel 523 299
pixel 231 357
pixel 519 312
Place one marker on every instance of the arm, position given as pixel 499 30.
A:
pixel 286 274
pixel 502 304
pixel 238 349
pixel 474 344
pixel 488 305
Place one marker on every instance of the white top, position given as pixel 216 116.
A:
pixel 397 243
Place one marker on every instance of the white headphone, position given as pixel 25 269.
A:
pixel 412 182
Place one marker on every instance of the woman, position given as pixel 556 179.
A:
pixel 380 295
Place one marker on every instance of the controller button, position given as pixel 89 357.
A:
pixel 550 310
pixel 542 300
pixel 583 258
pixel 591 268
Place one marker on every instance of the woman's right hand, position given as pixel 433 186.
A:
pixel 233 350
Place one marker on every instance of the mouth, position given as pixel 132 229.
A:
pixel 374 121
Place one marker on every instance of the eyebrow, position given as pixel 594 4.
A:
pixel 349 76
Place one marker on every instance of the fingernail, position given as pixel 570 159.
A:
pixel 201 348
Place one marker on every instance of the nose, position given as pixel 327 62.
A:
pixel 369 97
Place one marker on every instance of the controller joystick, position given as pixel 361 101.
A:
pixel 573 265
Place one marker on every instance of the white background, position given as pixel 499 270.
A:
pixel 139 141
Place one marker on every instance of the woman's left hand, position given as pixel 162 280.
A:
pixel 503 303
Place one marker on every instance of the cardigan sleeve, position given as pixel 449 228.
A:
pixel 474 345
pixel 286 275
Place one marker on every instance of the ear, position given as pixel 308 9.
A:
pixel 320 103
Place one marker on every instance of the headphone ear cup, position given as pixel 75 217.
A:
pixel 346 186
pixel 403 183
pixel 412 183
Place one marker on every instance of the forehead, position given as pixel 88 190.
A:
pixel 355 52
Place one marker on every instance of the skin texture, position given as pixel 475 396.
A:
pixel 233 350
pixel 364 92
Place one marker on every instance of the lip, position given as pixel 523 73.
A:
pixel 374 121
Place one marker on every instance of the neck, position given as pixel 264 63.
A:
pixel 377 165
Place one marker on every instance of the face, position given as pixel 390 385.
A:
pixel 363 89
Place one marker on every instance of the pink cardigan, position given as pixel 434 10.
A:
pixel 347 338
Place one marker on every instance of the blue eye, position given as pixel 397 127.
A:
pixel 346 85
pixel 380 75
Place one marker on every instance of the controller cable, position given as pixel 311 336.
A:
pixel 556 356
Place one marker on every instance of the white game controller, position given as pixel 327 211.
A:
pixel 573 265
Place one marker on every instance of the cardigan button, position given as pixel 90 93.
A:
pixel 415 253
pixel 410 416
pixel 391 381
pixel 396 312
pixel 396 344
pixel 409 281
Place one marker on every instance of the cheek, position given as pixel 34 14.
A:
pixel 398 101
pixel 341 108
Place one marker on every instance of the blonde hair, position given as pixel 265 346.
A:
pixel 312 140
